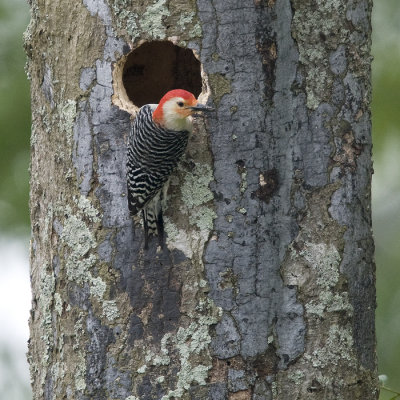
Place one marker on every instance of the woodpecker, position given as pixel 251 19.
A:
pixel 157 142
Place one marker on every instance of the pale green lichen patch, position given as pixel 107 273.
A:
pixel 130 24
pixel 97 287
pixel 317 32
pixel 243 181
pixel 156 20
pixel 329 302
pixel 67 115
pixel 47 286
pixel 63 117
pixel 313 266
pixel 338 346
pixel 152 19
pixel 296 376
pixel 87 208
pixel 186 18
pixel 44 307
pixel 195 189
pixel 178 238
pixel 324 259
pixel 162 357
pixel 274 390
pixel 78 330
pixel 110 309
pixel 79 358
pixel 202 283
pixel 79 240
pixel 126 19
pixel 171 229
pixel 79 256
pixel 58 303
pixel 203 218
pixel 191 342
pixel 189 346
pixel 319 263
pixel 80 372
pixel 58 368
pixel 142 369
pixel 196 197
pixel 196 194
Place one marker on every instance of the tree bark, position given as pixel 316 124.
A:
pixel 265 289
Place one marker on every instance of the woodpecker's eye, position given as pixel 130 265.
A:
pixel 180 103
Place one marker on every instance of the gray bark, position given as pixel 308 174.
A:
pixel 266 287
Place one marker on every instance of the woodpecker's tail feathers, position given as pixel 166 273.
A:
pixel 153 223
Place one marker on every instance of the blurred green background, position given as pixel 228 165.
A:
pixel 386 185
pixel 14 118
pixel 14 162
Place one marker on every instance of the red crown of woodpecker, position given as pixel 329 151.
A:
pixel 184 94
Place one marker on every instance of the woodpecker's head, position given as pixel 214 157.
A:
pixel 175 109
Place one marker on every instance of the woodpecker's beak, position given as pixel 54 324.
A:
pixel 201 108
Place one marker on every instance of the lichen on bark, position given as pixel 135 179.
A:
pixel 266 285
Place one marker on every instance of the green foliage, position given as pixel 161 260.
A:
pixel 14 117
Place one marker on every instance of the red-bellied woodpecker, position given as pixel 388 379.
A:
pixel 157 142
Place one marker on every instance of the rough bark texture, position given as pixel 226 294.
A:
pixel 266 290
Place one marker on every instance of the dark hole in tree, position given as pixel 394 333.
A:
pixel 154 68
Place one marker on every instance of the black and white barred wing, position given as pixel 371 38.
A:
pixel 153 153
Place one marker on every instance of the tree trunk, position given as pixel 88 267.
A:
pixel 265 289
